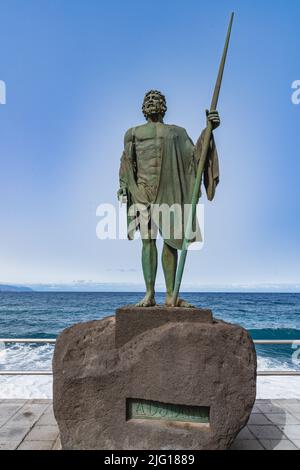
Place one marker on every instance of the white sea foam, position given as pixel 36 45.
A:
pixel 271 387
pixel 272 363
pixel 276 386
pixel 28 386
pixel 23 357
pixel 20 356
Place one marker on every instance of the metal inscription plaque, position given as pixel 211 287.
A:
pixel 146 409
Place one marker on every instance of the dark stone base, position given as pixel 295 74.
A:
pixel 192 363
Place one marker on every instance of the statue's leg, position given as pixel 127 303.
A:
pixel 169 264
pixel 149 263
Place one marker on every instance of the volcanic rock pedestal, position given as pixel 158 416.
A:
pixel 153 378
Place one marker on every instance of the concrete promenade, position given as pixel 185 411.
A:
pixel 30 425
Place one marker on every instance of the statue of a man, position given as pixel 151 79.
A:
pixel 158 166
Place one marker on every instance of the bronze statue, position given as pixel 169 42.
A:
pixel 158 166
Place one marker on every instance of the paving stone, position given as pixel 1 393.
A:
pixel 19 425
pixel 36 445
pixel 9 445
pixel 258 418
pixel 246 444
pixel 297 443
pixel 285 401
pixel 40 401
pixel 47 418
pixel 283 404
pixel 15 401
pixel 7 411
pixel 28 414
pixel 14 432
pixel 255 409
pixel 269 408
pixel 292 431
pixel 282 419
pixel 266 431
pixel 262 400
pixel 273 444
pixel 43 433
pixel 294 409
pixel 57 444
pixel 245 434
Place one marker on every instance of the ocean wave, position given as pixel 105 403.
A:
pixel 273 364
pixel 23 357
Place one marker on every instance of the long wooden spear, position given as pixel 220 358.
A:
pixel 200 169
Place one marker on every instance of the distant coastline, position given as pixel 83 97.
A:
pixel 11 288
pixel 90 286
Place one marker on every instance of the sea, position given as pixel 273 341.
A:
pixel 46 314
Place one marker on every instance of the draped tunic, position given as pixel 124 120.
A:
pixel 177 169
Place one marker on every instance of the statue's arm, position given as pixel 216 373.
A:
pixel 214 118
pixel 122 174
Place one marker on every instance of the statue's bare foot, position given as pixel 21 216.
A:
pixel 147 301
pixel 180 302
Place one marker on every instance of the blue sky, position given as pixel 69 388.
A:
pixel 76 72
